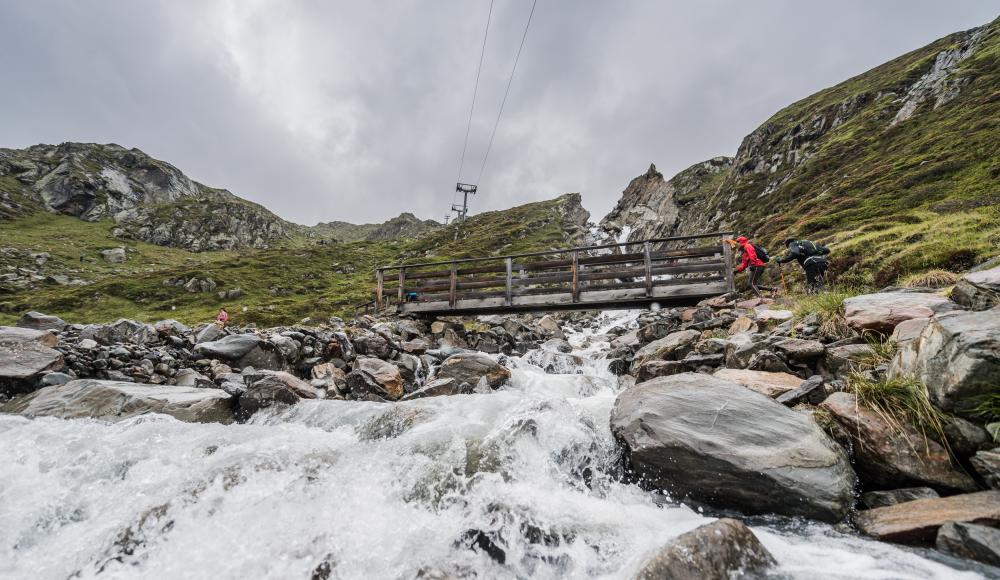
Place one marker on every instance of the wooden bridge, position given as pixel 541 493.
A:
pixel 676 270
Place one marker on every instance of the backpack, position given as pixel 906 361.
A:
pixel 810 249
pixel 761 253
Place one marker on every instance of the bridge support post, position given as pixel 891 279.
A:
pixel 402 280
pixel 379 282
pixel 576 275
pixel 648 262
pixel 509 294
pixel 727 257
pixel 454 285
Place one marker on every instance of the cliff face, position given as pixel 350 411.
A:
pixel 149 200
pixel 897 168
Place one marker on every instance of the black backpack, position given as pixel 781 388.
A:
pixel 810 249
pixel 761 253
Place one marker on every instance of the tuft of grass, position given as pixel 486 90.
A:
pixel 883 349
pixel 930 279
pixel 829 307
pixel 987 408
pixel 900 402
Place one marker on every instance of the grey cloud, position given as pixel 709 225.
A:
pixel 356 111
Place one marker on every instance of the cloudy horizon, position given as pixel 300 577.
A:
pixel 357 111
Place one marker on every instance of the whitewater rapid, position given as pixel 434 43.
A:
pixel 527 474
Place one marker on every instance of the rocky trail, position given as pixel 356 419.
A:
pixel 571 445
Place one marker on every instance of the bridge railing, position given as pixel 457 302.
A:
pixel 647 264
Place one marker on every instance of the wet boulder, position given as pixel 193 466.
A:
pixel 243 350
pixel 721 550
pixel 88 398
pixel 266 377
pixel 376 376
pixel 957 357
pixel 918 521
pixel 971 541
pixel 887 457
pixel 720 443
pixel 440 388
pixel 674 346
pixel 38 321
pixel 978 290
pixel 472 368
pixel 882 311
pixel 876 499
pixel 25 355
pixel 264 394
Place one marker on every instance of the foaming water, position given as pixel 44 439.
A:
pixel 528 475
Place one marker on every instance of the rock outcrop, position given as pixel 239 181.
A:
pixel 720 443
pixel 87 398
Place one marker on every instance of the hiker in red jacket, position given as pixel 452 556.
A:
pixel 751 260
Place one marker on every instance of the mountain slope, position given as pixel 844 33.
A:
pixel 405 225
pixel 148 199
pixel 897 168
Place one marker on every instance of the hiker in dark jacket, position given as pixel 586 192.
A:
pixel 812 257
pixel 750 259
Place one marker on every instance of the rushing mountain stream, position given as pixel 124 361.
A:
pixel 523 482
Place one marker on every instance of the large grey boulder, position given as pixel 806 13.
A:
pixel 720 550
pixel 243 350
pixel 888 457
pixel 439 388
pixel 123 331
pixel 389 381
pixel 972 541
pixel 957 357
pixel 471 368
pixel 720 443
pixel 978 290
pixel 88 398
pixel 884 310
pixel 39 321
pixel 25 355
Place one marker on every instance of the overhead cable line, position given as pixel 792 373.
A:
pixel 507 91
pixel 475 92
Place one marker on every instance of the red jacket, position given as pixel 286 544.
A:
pixel 749 254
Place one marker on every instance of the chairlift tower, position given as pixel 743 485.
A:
pixel 462 210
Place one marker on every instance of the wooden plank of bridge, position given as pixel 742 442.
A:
pixel 649 268
pixel 379 280
pixel 727 254
pixel 454 284
pixel 510 275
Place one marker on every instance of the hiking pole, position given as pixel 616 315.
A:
pixel 781 271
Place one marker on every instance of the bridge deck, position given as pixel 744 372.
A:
pixel 675 270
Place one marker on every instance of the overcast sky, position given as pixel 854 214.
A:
pixel 357 110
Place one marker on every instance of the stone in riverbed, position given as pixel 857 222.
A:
pixel 882 311
pixel 723 444
pixel 956 356
pixel 918 521
pixel 715 551
pixel 280 378
pixel 439 388
pixel 263 394
pixel 886 457
pixel 25 355
pixel 651 369
pixel 88 398
pixel 972 541
pixel 471 368
pixel 38 321
pixel 765 383
pixel 387 377
pixel 674 346
pixel 876 499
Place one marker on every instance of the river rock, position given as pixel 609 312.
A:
pixel 301 388
pixel 38 321
pixel 764 314
pixel 171 327
pixel 876 499
pixel 266 393
pixel 812 391
pixel 918 521
pixel 965 437
pixel 25 354
pixel 210 333
pixel 88 398
pixel 192 378
pixel 674 346
pixel 439 388
pixel 908 330
pixel 987 466
pixel 387 379
pixel 720 550
pixel 742 324
pixel 978 290
pixel 740 350
pixel 765 383
pixel 723 444
pixel 651 369
pixel 882 311
pixel 471 367
pixel 957 357
pixel 123 331
pixel 232 347
pixel 971 541
pixel 886 457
